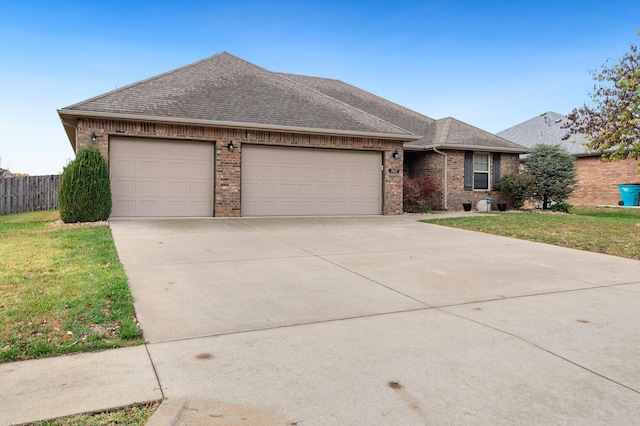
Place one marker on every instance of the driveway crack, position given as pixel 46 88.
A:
pixel 537 346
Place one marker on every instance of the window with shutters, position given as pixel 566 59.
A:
pixel 480 171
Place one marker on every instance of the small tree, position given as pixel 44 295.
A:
pixel 85 189
pixel 554 171
pixel 612 124
pixel 518 188
pixel 418 192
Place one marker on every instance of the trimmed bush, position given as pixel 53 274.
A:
pixel 85 188
pixel 518 188
pixel 562 207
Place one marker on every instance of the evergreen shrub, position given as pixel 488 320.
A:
pixel 85 188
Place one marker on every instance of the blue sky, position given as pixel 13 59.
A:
pixel 492 64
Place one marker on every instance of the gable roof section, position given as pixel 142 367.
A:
pixel 227 91
pixel 451 133
pixel 545 128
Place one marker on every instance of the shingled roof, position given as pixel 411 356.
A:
pixel 454 134
pixel 405 118
pixel 227 91
pixel 545 128
pixel 444 133
pixel 224 90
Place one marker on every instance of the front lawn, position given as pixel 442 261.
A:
pixel 604 230
pixel 62 289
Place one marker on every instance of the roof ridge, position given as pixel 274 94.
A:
pixel 146 80
pixel 365 91
pixel 445 130
pixel 478 128
pixel 532 119
pixel 338 100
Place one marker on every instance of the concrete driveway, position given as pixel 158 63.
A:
pixel 380 320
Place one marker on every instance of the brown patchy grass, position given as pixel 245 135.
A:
pixel 611 231
pixel 62 289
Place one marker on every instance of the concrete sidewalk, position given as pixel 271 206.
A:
pixel 375 320
pixel 56 387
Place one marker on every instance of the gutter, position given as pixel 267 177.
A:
pixel 70 114
pixel 522 150
pixel 446 177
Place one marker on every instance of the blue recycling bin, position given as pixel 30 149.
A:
pixel 629 193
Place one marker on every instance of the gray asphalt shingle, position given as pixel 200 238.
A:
pixel 224 88
pixel 405 118
pixel 227 89
pixel 454 133
pixel 447 132
pixel 545 128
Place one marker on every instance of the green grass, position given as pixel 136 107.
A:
pixel 602 230
pixel 137 414
pixel 62 289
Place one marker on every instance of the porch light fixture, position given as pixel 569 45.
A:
pixel 93 137
pixel 230 146
pixel 396 155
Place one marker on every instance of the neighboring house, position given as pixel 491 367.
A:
pixel 597 179
pixel 224 137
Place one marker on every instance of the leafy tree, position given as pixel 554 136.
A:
pixel 517 187
pixel 554 171
pixel 612 124
pixel 85 189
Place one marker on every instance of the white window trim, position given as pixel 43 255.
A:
pixel 488 172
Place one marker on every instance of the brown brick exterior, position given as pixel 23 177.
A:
pixel 597 180
pixel 431 164
pixel 228 164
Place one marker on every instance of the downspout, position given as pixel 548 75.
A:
pixel 446 177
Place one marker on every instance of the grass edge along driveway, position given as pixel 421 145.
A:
pixel 62 289
pixel 614 231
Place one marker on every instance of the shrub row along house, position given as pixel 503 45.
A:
pixel 223 137
pixel 597 179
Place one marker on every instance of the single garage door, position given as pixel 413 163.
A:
pixel 161 178
pixel 279 181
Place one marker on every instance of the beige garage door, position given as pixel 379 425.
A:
pixel 307 182
pixel 161 178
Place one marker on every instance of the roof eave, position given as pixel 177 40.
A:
pixel 466 147
pixel 74 115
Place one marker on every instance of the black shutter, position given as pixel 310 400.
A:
pixel 496 170
pixel 468 170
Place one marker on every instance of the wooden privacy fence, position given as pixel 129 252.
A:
pixel 28 193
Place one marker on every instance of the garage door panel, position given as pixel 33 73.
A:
pixel 161 178
pixel 299 181
pixel 147 187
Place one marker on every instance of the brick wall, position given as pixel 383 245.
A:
pixel 597 180
pixel 228 165
pixel 428 164
pixel 431 164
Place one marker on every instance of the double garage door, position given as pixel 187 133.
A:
pixel 176 178
pixel 309 182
